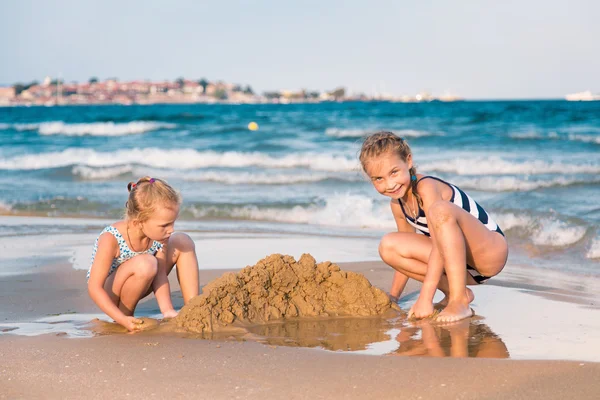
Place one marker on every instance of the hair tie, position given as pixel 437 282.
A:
pixel 133 185
pixel 151 180
pixel 413 177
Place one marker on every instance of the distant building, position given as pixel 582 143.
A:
pixel 583 96
pixel 7 92
pixel 6 95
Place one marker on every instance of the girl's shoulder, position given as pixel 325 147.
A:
pixel 119 225
pixel 428 185
pixel 114 230
pixel 427 182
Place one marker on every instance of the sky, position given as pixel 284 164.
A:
pixel 477 49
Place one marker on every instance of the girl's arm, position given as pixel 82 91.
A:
pixel 161 286
pixel 399 281
pixel 106 252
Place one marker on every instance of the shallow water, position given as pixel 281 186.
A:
pixel 528 322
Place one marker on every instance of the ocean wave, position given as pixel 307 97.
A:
pixel 358 211
pixel 542 231
pixel 224 177
pixel 343 210
pixel 494 165
pixel 584 138
pixel 574 137
pixel 527 135
pixel 190 159
pixel 557 233
pixel 179 159
pixel 519 184
pixel 594 250
pixel 93 128
pixel 359 133
pixel 90 173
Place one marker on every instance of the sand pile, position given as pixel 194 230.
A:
pixel 278 287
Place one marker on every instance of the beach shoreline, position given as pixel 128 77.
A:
pixel 142 365
pixel 543 321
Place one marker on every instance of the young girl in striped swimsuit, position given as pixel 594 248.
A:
pixel 457 243
pixel 133 257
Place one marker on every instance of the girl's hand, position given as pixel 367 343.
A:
pixel 421 309
pixel 132 324
pixel 170 314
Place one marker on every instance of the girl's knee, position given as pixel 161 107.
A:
pixel 387 247
pixel 146 266
pixel 181 242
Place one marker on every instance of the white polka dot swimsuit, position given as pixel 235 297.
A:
pixel 125 253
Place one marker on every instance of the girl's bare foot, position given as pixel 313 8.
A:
pixel 170 314
pixel 444 302
pixel 455 311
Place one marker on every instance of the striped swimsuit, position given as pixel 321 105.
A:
pixel 464 201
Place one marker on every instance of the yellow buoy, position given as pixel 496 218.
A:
pixel 253 126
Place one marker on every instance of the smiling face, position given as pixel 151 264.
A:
pixel 161 223
pixel 390 174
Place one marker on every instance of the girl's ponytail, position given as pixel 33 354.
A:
pixel 146 194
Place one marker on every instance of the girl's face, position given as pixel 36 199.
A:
pixel 390 175
pixel 161 223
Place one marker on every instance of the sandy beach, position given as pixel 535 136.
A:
pixel 543 326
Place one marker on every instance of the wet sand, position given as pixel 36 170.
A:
pixel 549 333
pixel 131 366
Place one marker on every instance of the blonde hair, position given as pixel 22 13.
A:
pixel 146 194
pixel 383 142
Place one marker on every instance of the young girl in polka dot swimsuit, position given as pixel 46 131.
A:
pixel 133 257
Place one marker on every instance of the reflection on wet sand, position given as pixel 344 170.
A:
pixel 467 338
pixel 369 335
pixel 345 334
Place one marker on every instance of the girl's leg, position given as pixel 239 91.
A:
pixel 459 338
pixel 408 253
pixel 462 239
pixel 131 282
pixel 182 251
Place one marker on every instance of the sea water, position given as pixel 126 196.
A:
pixel 533 165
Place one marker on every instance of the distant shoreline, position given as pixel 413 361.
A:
pixel 220 103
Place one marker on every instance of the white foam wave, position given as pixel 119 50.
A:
pixel 100 128
pixel 594 250
pixel 236 178
pixel 576 137
pixel 224 177
pixel 179 159
pixel 557 233
pixel 24 127
pixel 513 183
pixel 494 165
pixel 508 221
pixel 545 231
pixel 101 173
pixel 526 135
pixel 585 138
pixel 346 210
pixel 358 133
